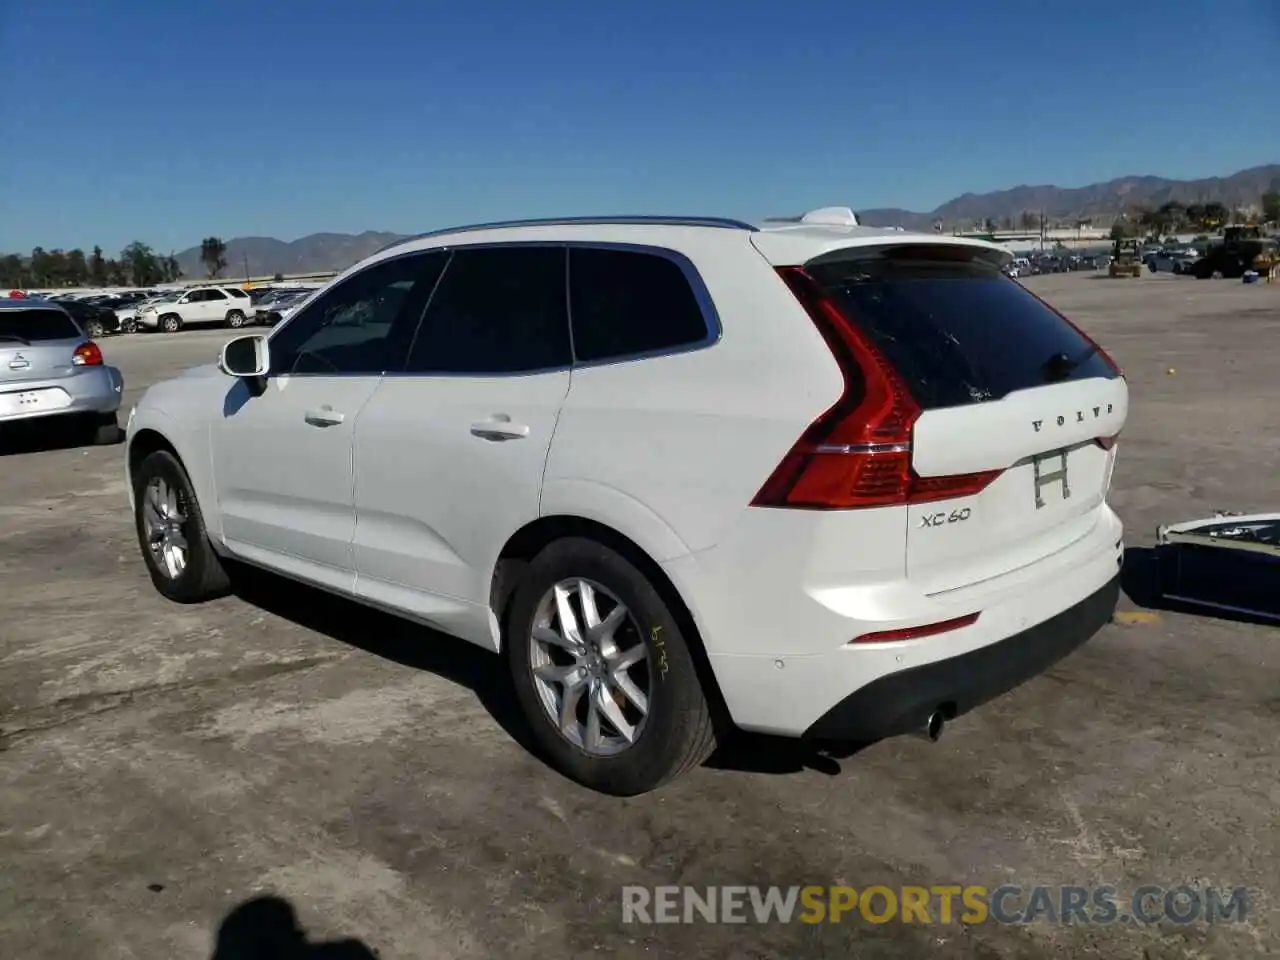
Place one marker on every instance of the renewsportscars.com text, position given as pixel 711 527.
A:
pixel 935 904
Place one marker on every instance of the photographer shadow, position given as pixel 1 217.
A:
pixel 267 928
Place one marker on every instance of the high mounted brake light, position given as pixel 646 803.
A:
pixel 858 453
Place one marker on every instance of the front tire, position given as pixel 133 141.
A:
pixel 603 673
pixel 171 532
pixel 171 323
pixel 94 329
pixel 129 326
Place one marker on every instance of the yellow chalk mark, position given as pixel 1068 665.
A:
pixel 1132 617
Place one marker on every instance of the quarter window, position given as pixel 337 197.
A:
pixel 625 303
pixel 498 310
pixel 365 324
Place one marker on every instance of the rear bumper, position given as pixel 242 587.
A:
pixel 96 390
pixel 779 626
pixel 901 702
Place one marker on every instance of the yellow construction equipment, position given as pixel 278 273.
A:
pixel 1243 248
pixel 1126 259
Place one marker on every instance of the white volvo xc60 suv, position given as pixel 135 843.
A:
pixel 806 478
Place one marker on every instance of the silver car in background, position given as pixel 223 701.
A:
pixel 50 371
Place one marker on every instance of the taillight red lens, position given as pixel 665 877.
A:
pixel 858 453
pixel 88 354
pixel 911 633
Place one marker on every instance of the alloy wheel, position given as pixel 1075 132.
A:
pixel 591 667
pixel 164 515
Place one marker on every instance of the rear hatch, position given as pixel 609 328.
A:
pixel 1013 446
pixel 36 343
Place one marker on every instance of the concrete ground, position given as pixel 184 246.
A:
pixel 160 764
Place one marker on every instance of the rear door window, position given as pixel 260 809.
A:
pixel 497 310
pixel 627 303
pixel 34 326
pixel 956 329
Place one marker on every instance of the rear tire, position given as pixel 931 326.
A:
pixel 235 319
pixel 675 730
pixel 105 431
pixel 167 518
pixel 129 326
pixel 94 329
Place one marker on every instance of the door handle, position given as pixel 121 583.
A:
pixel 499 427
pixel 326 416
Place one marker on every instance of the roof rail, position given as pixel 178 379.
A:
pixel 723 223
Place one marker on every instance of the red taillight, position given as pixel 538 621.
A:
pixel 911 633
pixel 858 453
pixel 88 354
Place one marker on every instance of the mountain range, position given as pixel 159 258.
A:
pixel 322 252
pixel 1098 201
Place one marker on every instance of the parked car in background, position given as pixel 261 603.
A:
pixel 279 306
pixel 50 368
pixel 199 306
pixel 805 478
pixel 128 315
pixel 94 319
pixel 1173 261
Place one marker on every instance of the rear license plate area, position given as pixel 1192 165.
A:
pixel 1051 477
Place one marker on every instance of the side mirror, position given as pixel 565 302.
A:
pixel 245 357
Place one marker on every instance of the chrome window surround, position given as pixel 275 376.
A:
pixel 710 316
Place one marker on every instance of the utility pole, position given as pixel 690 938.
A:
pixel 247 282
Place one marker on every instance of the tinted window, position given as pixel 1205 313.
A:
pixel 362 325
pixel 32 326
pixel 214 295
pixel 236 292
pixel 624 303
pixel 958 330
pixel 497 310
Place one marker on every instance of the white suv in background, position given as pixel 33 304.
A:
pixel 806 478
pixel 200 306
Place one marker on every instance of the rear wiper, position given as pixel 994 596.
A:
pixel 1059 366
pixel 13 338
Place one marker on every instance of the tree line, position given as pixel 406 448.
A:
pixel 1173 217
pixel 1168 218
pixel 137 265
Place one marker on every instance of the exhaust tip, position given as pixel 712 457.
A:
pixel 932 730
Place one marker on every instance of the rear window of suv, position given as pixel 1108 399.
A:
pixel 955 328
pixel 33 326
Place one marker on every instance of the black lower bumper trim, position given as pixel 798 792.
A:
pixel 902 702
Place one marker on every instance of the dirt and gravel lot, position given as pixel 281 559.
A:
pixel 160 765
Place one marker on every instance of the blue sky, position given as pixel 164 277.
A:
pixel 168 121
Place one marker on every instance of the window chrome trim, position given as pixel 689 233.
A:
pixel 706 305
